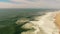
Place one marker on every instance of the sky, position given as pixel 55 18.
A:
pixel 29 3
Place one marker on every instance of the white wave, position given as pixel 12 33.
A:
pixel 46 23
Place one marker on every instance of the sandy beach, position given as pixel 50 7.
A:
pixel 57 21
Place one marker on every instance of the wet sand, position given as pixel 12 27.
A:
pixel 57 21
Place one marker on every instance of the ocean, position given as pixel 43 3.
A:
pixel 8 18
pixel 8 13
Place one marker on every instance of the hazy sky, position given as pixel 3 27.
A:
pixel 29 3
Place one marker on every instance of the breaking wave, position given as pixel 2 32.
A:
pixel 40 25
